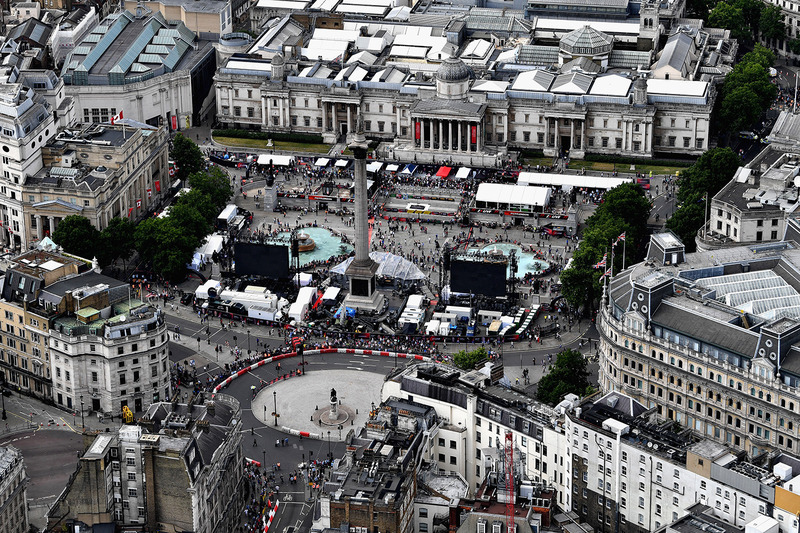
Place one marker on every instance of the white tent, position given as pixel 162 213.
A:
pixel 568 180
pixel 302 279
pixel 322 162
pixel 463 173
pixel 374 166
pixel 341 163
pixel 213 244
pixel 501 195
pixel 277 160
pixel 392 168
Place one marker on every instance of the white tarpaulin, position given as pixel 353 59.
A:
pixel 322 162
pixel 375 166
pixel 277 160
pixel 342 163
pixel 463 173
pixel 566 180
pixel 501 194
pixel 392 168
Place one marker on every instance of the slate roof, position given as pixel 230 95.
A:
pixel 698 326
pixel 534 54
pixel 33 30
pixel 676 52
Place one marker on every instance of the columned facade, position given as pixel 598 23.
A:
pixel 448 135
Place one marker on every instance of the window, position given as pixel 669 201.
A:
pixel 423 512
pixel 122 379
pixel 131 492
pixel 131 476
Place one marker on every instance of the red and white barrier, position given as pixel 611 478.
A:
pixel 271 514
pixel 313 352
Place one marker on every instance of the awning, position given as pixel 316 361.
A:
pixel 443 172
pixel 392 168
pixel 410 169
pixel 277 160
pixel 176 184
pixel 569 180
pixel 341 163
pixel 375 166
pixel 322 162
pixel 463 173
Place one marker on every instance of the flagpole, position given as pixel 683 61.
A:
pixel 624 242
pixel 705 217
pixel 612 260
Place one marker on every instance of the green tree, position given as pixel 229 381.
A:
pixel 710 173
pixel 730 17
pixel 117 239
pixel 467 360
pixel 166 246
pixel 770 23
pixel 739 109
pixel 568 375
pixel 746 92
pixel 200 201
pixel 625 209
pixel 187 156
pixel 751 11
pixel 190 221
pixel 699 9
pixel 213 183
pixel 76 235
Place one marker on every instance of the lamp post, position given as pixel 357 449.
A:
pixel 275 406
pixel 83 424
pixel 329 444
pixel 248 342
pixel 264 462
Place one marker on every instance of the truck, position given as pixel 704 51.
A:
pixel 226 217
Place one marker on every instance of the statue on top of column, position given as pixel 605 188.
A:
pixel 359 122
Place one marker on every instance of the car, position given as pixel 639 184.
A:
pixel 187 298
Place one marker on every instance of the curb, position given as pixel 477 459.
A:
pixel 279 357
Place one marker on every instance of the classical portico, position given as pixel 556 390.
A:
pixel 565 135
pixel 448 127
pixel 339 117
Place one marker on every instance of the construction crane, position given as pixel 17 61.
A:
pixel 509 471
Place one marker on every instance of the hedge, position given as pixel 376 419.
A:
pixel 531 153
pixel 308 138
pixel 619 160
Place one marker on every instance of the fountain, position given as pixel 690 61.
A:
pixel 305 242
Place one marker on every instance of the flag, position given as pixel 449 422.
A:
pixel 116 117
pixel 130 210
pixel 138 204
pixel 620 238
pixel 149 193
pixel 158 186
pixel 602 262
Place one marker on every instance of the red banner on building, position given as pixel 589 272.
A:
pixel 417 129
pixel 174 122
pixel 473 133
pixel 130 210
pixel 149 193
pixel 158 186
pixel 138 204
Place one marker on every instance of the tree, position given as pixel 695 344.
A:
pixel 76 235
pixel 164 244
pixel 117 239
pixel 625 209
pixel 699 9
pixel 751 11
pixel 730 17
pixel 187 156
pixel 568 375
pixel 467 360
pixel 214 183
pixel 771 25
pixel 200 201
pixel 710 173
pixel 190 221
pixel 739 109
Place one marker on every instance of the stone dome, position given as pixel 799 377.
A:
pixel 277 59
pixel 640 83
pixel 453 69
